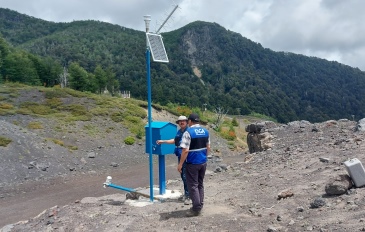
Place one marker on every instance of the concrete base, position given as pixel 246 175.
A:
pixel 143 201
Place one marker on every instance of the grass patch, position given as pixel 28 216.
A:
pixel 73 148
pixel 53 103
pixel 135 125
pixel 6 112
pixel 23 111
pixel 6 106
pixel 58 142
pixel 227 133
pixel 129 140
pixel 109 129
pixel 14 95
pixel 78 112
pixel 35 108
pixel 35 125
pixel 76 93
pixel 4 141
pixel 91 130
pixel 98 111
pixel 55 93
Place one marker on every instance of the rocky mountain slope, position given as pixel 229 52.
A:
pixel 280 189
pixel 61 160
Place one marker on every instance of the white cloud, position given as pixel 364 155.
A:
pixel 330 29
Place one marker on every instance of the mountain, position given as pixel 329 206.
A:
pixel 208 65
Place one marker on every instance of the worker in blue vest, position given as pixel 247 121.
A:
pixel 182 121
pixel 195 145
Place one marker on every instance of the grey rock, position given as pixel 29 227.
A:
pixel 318 203
pixel 338 185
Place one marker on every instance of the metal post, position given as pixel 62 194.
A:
pixel 147 19
pixel 161 174
pixel 149 142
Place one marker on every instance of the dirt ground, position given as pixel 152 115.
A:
pixel 48 187
pixel 241 191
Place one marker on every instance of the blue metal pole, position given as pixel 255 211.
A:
pixel 121 187
pixel 149 142
pixel 162 176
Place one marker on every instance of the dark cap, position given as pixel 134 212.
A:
pixel 194 117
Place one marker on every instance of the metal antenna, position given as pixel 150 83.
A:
pixel 167 19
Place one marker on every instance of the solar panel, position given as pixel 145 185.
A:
pixel 157 48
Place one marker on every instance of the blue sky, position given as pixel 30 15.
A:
pixel 329 29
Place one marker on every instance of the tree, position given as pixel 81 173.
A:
pixel 220 113
pixel 78 77
pixel 19 68
pixel 63 78
pixel 100 78
pixel 1 63
pixel 112 83
pixel 52 71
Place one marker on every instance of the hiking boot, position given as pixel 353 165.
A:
pixel 192 213
pixel 182 198
pixel 187 201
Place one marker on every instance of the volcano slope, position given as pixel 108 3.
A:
pixel 241 191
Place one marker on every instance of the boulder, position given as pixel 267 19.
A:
pixel 338 185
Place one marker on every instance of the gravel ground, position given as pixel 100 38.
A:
pixel 243 192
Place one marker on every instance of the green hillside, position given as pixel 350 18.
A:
pixel 208 65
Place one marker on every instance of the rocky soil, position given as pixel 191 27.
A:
pixel 37 172
pixel 280 189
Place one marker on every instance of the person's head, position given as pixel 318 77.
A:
pixel 193 119
pixel 182 121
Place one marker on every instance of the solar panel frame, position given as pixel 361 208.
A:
pixel 157 48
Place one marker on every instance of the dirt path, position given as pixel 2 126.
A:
pixel 34 199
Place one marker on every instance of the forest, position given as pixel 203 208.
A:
pixel 234 73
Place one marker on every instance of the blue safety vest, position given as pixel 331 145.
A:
pixel 198 145
pixel 178 137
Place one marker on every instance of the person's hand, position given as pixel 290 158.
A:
pixel 158 142
pixel 179 168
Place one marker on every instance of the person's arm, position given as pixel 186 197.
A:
pixel 208 146
pixel 185 144
pixel 170 141
pixel 183 157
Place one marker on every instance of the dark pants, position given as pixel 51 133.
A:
pixel 183 177
pixel 195 176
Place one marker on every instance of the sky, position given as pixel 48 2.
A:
pixel 330 29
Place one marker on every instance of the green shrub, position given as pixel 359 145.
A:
pixel 55 93
pixel 53 102
pixel 98 111
pixel 6 106
pixel 6 112
pixel 58 142
pixel 36 108
pixel 117 116
pixel 228 134
pixel 76 109
pixel 76 93
pixel 35 125
pixel 140 133
pixel 4 141
pixel 129 140
pixel 234 122
pixel 23 111
pixel 73 148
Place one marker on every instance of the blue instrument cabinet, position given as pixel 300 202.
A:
pixel 161 131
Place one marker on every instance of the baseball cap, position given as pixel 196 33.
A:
pixel 194 117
